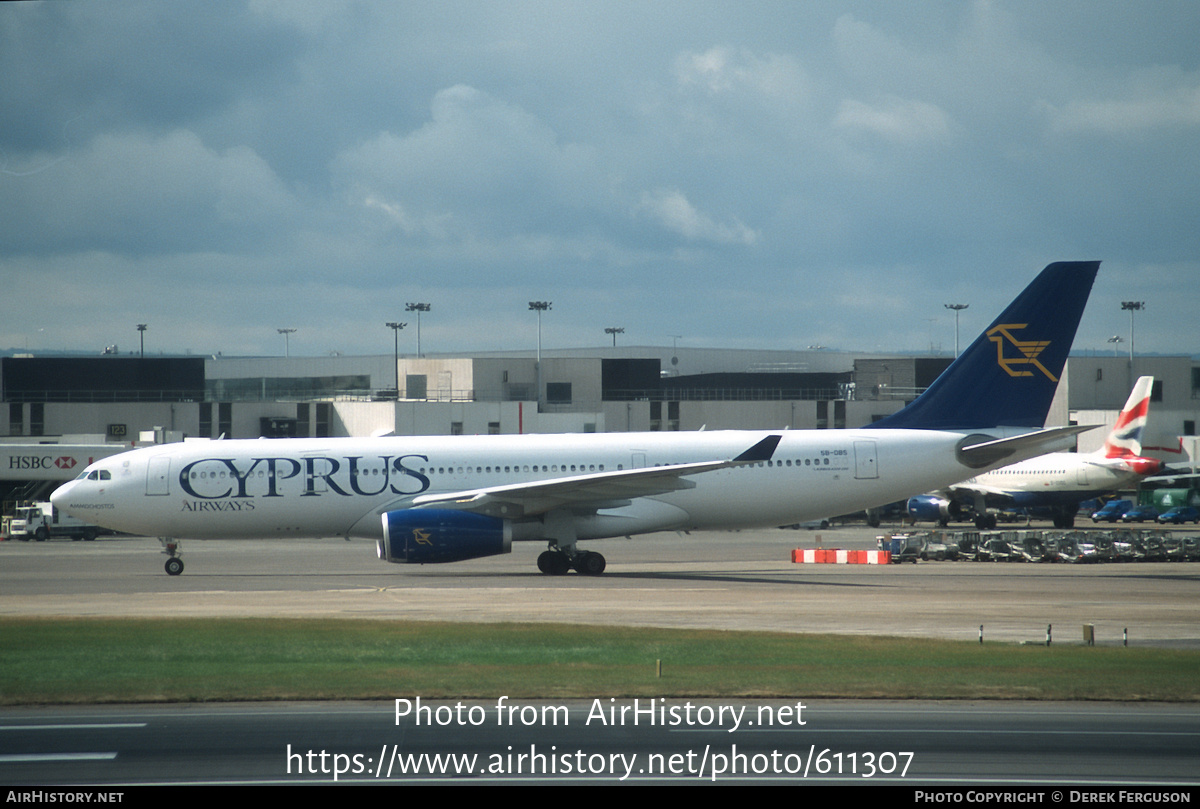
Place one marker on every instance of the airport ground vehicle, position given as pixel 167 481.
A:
pixel 1112 511
pixel 1140 514
pixel 1179 515
pixel 42 521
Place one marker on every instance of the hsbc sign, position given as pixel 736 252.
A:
pixel 30 462
pixel 26 463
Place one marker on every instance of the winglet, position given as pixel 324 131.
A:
pixel 762 451
pixel 1008 376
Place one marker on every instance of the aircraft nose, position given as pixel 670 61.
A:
pixel 59 496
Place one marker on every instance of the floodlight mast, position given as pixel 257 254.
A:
pixel 418 308
pixel 539 307
pixel 286 343
pixel 957 307
pixel 396 327
pixel 1131 307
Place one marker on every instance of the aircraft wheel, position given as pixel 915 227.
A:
pixel 590 563
pixel 174 566
pixel 554 563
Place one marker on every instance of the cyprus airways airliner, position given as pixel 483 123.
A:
pixel 1054 484
pixel 444 499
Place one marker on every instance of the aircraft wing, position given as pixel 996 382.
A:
pixel 598 490
pixel 975 489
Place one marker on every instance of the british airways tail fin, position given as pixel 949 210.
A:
pixel 1125 440
pixel 1007 377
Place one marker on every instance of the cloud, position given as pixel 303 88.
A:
pixel 1151 109
pixel 898 120
pixel 478 168
pixel 143 194
pixel 672 209
pixel 722 70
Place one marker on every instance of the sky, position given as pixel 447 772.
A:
pixel 771 175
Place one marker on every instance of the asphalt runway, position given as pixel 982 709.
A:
pixel 719 580
pixel 1026 750
pixel 725 580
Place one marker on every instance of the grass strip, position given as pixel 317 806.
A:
pixel 57 661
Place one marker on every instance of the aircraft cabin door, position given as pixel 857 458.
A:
pixel 158 475
pixel 866 463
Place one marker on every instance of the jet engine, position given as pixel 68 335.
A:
pixel 932 508
pixel 420 536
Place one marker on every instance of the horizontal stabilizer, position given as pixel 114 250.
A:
pixel 979 451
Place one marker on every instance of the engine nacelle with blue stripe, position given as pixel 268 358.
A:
pixel 934 509
pixel 420 536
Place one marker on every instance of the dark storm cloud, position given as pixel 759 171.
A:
pixel 753 174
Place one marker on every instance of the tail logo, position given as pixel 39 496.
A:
pixel 1029 351
pixel 421 536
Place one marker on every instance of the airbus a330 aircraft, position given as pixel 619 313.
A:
pixel 1053 484
pixel 444 499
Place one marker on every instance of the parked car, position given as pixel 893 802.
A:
pixel 1180 515
pixel 1140 514
pixel 1112 511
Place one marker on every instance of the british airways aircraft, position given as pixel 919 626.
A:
pixel 444 499
pixel 1054 484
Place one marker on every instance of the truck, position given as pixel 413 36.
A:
pixel 42 521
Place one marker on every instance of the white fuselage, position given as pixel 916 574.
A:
pixel 1062 473
pixel 342 486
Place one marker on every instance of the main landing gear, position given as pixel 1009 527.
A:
pixel 173 565
pixel 555 562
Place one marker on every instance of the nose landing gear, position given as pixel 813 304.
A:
pixel 173 565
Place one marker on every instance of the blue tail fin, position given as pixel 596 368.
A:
pixel 1008 376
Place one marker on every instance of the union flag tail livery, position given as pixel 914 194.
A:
pixel 1051 485
pixel 1007 377
pixel 1125 440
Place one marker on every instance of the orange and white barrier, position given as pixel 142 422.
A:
pixel 821 556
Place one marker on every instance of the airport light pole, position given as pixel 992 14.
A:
pixel 1116 340
pixel 1131 307
pixel 418 308
pixel 614 331
pixel 539 307
pixel 957 307
pixel 286 343
pixel 141 327
pixel 396 327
